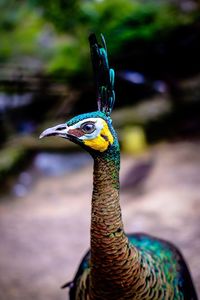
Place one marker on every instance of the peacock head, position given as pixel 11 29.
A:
pixel 93 131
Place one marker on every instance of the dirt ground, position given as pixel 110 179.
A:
pixel 44 234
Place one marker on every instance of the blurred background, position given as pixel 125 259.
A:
pixel 45 78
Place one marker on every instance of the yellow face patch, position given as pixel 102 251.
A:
pixel 102 141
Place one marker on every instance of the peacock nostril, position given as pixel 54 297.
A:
pixel 61 128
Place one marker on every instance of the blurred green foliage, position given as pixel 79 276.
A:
pixel 52 34
pixel 10 158
pixel 19 27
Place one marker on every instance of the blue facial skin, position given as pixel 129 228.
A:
pixel 112 153
pixel 94 114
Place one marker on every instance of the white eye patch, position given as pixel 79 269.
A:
pixel 98 122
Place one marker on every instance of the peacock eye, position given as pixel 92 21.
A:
pixel 88 127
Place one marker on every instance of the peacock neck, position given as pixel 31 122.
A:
pixel 110 248
pixel 106 211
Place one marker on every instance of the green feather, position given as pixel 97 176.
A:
pixel 104 76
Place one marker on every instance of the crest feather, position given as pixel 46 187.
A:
pixel 103 75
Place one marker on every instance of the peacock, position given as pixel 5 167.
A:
pixel 118 266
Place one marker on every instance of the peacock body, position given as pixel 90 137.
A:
pixel 118 266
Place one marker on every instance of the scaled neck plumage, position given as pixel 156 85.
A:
pixel 111 252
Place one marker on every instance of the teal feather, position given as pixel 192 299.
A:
pixel 104 76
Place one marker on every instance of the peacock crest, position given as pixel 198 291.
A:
pixel 103 75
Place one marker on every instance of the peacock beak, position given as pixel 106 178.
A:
pixel 58 130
